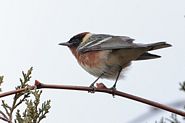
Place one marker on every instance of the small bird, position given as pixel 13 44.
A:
pixel 105 56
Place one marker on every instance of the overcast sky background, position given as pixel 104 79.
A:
pixel 30 31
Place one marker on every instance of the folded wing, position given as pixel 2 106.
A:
pixel 108 42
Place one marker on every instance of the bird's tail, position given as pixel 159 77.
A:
pixel 158 45
pixel 153 46
pixel 146 56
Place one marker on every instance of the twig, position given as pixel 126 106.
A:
pixel 16 91
pixel 39 85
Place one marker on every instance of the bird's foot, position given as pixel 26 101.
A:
pixel 113 89
pixel 92 88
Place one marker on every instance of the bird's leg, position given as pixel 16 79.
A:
pixel 92 85
pixel 113 88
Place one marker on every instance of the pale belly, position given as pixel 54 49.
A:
pixel 96 68
pixel 109 72
pixel 101 62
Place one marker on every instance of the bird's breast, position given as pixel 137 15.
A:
pixel 93 62
pixel 98 62
pixel 91 59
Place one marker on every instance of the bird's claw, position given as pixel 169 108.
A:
pixel 113 89
pixel 92 88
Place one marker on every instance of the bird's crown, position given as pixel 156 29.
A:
pixel 77 39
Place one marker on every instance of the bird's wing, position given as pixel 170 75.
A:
pixel 107 42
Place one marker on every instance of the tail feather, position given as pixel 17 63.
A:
pixel 159 45
pixel 153 46
pixel 146 56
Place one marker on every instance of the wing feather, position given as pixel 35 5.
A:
pixel 107 42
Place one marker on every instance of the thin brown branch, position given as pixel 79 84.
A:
pixel 16 91
pixel 102 89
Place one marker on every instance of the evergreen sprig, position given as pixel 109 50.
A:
pixel 32 113
pixel 182 86
pixel 1 81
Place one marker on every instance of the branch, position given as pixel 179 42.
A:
pixel 100 88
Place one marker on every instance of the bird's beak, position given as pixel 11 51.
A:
pixel 65 44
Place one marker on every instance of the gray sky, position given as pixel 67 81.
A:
pixel 30 31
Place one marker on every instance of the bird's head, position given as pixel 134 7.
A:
pixel 76 40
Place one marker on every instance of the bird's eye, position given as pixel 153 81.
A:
pixel 74 42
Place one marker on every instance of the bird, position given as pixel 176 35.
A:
pixel 107 56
